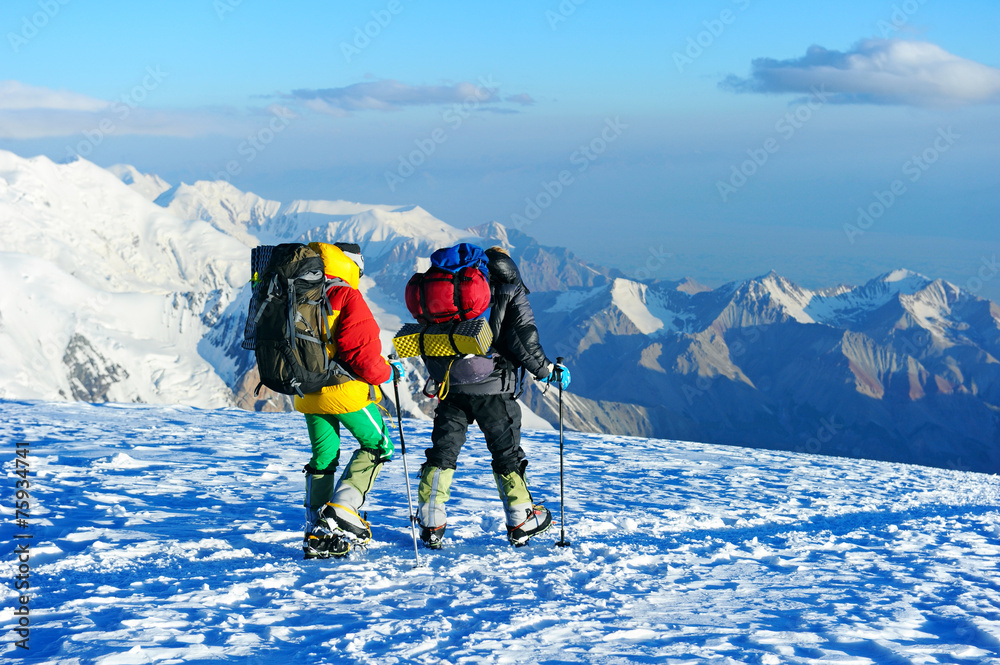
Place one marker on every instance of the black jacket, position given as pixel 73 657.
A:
pixel 515 339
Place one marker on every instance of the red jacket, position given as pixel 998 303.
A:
pixel 357 336
pixel 355 342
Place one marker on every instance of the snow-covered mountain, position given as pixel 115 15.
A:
pixel 147 185
pixel 396 242
pixel 901 368
pixel 134 290
pixel 107 294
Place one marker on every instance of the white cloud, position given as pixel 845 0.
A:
pixel 877 71
pixel 391 95
pixel 523 99
pixel 17 96
pixel 31 112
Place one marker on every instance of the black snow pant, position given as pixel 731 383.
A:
pixel 499 418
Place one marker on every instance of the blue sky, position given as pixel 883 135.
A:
pixel 735 136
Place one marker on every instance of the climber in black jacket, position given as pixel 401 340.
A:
pixel 484 389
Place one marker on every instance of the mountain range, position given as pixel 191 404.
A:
pixel 131 289
pixel 901 368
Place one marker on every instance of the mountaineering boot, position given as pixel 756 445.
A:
pixel 322 541
pixel 432 537
pixel 524 519
pixel 536 519
pixel 432 494
pixel 344 509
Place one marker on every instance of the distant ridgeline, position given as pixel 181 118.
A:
pixel 135 290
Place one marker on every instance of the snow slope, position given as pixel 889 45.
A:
pixel 171 534
pixel 110 294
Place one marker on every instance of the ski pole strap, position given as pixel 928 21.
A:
pixel 521 374
pixel 388 416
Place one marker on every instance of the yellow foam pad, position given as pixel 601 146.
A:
pixel 444 339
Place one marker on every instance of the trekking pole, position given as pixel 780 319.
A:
pixel 406 471
pixel 562 503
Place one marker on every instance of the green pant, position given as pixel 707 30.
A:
pixel 369 428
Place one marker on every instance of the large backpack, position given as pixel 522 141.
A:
pixel 287 326
pixel 451 303
pixel 455 288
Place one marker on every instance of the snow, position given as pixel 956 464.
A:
pixel 149 186
pixel 630 298
pixel 901 274
pixel 568 301
pixel 153 292
pixel 840 305
pixel 172 534
pixel 789 297
pixel 50 306
pixel 931 307
pixel 644 306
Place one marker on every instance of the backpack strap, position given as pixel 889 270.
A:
pixel 422 295
pixel 456 292
pixel 292 312
pixel 272 292
pixel 334 365
pixel 324 316
pixel 462 276
pixel 334 281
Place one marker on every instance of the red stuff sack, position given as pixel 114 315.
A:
pixel 455 288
